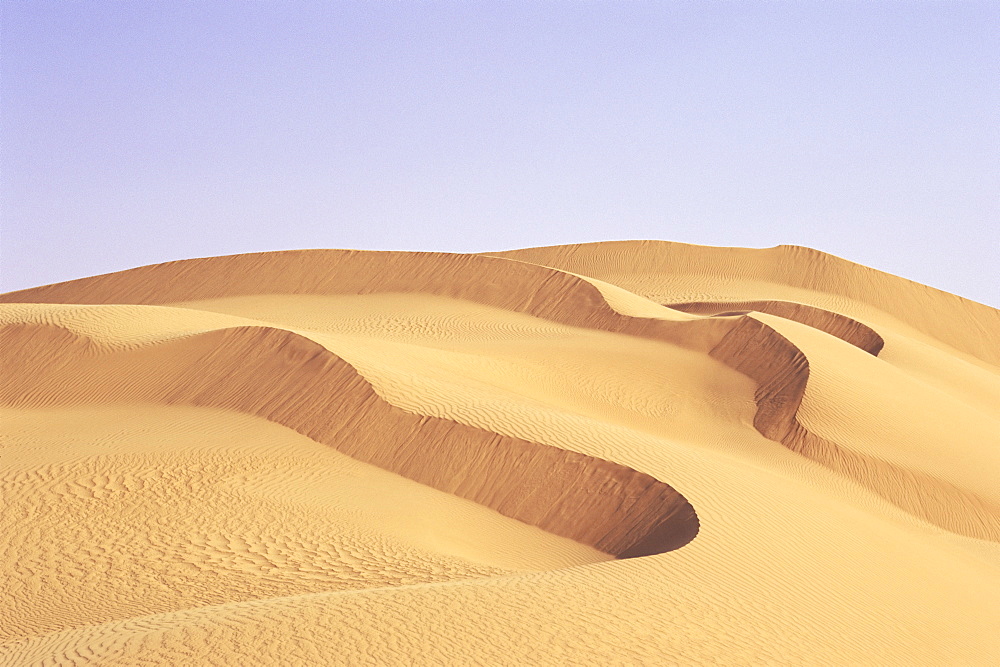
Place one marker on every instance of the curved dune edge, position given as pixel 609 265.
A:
pixel 960 323
pixel 845 328
pixel 743 343
pixel 289 379
pixel 781 371
pixel 521 287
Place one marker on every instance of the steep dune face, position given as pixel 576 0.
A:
pixel 483 433
pixel 514 286
pixel 780 369
pixel 854 332
pixel 293 381
pixel 668 272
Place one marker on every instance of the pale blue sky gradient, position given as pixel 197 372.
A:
pixel 140 132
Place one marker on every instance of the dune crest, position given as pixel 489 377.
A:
pixel 856 333
pixel 293 381
pixel 669 272
pixel 780 369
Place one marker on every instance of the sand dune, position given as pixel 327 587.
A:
pixel 622 453
pixel 293 381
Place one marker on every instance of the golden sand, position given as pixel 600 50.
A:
pixel 611 453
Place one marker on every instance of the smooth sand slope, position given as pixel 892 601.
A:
pixel 612 453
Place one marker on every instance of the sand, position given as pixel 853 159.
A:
pixel 610 453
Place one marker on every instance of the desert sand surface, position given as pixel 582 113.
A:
pixel 622 453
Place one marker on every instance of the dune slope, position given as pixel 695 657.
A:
pixel 628 453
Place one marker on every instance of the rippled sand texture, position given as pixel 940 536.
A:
pixel 612 453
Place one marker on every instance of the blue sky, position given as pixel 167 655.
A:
pixel 140 132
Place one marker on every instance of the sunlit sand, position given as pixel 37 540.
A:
pixel 611 453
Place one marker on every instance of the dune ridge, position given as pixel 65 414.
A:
pixel 856 333
pixel 511 285
pixel 293 381
pixel 781 371
pixel 663 271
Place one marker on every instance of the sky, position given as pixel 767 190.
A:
pixel 140 132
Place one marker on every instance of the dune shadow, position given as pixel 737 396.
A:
pixel 294 381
